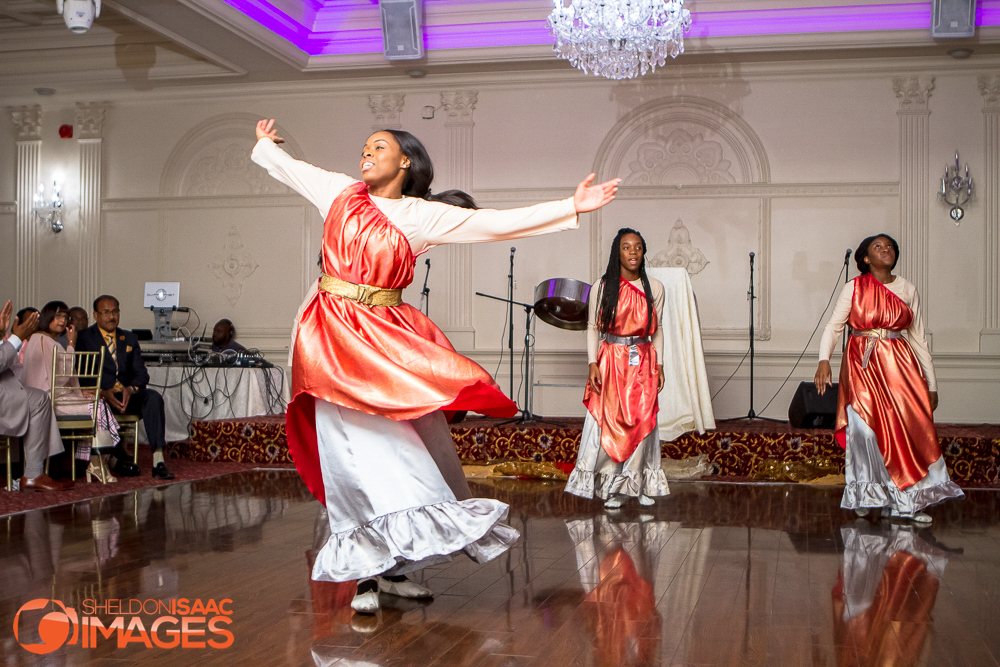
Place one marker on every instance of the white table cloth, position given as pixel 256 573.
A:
pixel 196 393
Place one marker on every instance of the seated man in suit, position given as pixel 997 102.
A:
pixel 27 412
pixel 123 382
pixel 222 337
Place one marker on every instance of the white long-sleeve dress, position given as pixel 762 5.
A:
pixel 395 493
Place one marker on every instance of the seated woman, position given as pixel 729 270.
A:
pixel 36 361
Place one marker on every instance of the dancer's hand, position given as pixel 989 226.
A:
pixel 592 197
pixel 659 382
pixel 822 379
pixel 595 378
pixel 934 401
pixel 265 128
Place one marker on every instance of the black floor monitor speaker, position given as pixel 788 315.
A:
pixel 810 410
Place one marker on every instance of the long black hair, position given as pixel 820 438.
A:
pixel 862 252
pixel 420 173
pixel 607 293
pixel 421 170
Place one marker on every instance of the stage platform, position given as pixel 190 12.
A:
pixel 735 448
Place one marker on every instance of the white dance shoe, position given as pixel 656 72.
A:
pixel 367 602
pixel 917 517
pixel 404 589
pixel 646 500
pixel 863 511
pixel 614 502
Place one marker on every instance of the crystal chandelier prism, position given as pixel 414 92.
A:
pixel 619 39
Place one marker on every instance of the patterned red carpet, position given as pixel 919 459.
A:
pixel 735 448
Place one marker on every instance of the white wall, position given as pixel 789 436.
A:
pixel 796 162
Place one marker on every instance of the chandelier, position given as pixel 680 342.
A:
pixel 619 39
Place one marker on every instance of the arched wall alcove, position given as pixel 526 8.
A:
pixel 696 153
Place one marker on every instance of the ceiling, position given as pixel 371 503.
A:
pixel 146 44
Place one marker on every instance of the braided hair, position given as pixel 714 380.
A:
pixel 607 292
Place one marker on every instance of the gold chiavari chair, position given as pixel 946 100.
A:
pixel 7 441
pixel 81 424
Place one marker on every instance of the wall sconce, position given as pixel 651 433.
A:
pixel 50 212
pixel 956 190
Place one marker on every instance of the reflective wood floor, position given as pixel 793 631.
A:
pixel 716 574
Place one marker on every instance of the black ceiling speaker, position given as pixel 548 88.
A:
pixel 953 18
pixel 402 29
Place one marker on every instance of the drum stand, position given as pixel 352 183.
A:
pixel 528 373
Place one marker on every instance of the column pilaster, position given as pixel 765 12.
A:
pixel 27 122
pixel 89 132
pixel 989 336
pixel 914 113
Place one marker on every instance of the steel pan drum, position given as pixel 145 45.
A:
pixel 562 302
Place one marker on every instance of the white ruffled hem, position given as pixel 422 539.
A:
pixel 416 538
pixel 860 495
pixel 587 484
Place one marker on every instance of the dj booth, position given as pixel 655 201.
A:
pixel 193 392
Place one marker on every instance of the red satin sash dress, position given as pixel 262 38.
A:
pixel 890 394
pixel 626 407
pixel 388 361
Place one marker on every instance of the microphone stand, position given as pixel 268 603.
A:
pixel 847 276
pixel 751 295
pixel 510 321
pixel 527 376
pixel 425 293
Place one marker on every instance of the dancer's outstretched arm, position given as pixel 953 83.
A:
pixel 317 185
pixel 440 223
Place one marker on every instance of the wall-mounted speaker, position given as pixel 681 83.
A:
pixel 810 410
pixel 402 29
pixel 953 18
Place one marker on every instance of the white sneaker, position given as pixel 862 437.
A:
pixel 918 517
pixel 614 502
pixel 405 589
pixel 365 603
pixel 646 500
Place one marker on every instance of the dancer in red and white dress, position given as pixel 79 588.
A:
pixel 371 376
pixel 887 393
pixel 619 453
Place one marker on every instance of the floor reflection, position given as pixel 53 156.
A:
pixel 715 574
pixel 884 599
pixel 617 562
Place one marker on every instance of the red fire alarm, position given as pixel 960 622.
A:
pixel 65 131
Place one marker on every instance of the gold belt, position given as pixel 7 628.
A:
pixel 873 335
pixel 366 294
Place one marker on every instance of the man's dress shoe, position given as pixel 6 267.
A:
pixel 124 468
pixel 45 483
pixel 160 471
